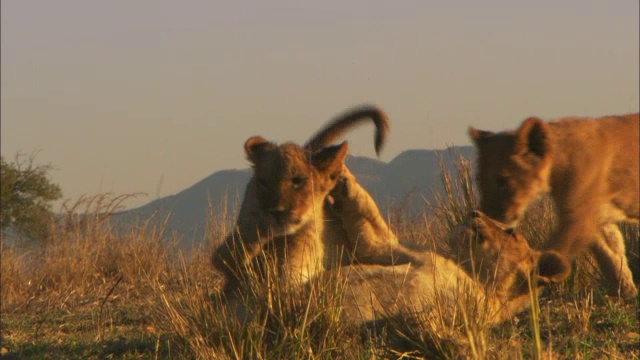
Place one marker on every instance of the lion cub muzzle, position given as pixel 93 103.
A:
pixel 283 217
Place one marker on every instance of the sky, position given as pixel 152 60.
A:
pixel 151 96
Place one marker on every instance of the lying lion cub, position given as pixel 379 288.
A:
pixel 491 273
pixel 590 167
pixel 284 205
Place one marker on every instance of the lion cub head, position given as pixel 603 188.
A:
pixel 513 168
pixel 291 182
pixel 501 257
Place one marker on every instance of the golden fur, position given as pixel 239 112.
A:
pixel 590 168
pixel 353 218
pixel 284 203
pixel 369 237
pixel 338 126
pixel 491 271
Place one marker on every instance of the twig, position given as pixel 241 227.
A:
pixel 100 333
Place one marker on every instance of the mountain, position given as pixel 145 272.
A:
pixel 412 176
pixel 405 182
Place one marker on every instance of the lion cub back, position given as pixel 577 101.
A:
pixel 596 164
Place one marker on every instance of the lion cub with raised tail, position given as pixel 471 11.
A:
pixel 590 168
pixel 351 212
pixel 283 210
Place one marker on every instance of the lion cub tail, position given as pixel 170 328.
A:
pixel 352 117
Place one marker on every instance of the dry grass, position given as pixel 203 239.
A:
pixel 95 292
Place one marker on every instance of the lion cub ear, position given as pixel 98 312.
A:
pixel 553 267
pixel 330 159
pixel 256 145
pixel 478 136
pixel 532 137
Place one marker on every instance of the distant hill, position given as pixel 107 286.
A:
pixel 408 179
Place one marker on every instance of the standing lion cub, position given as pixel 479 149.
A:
pixel 590 167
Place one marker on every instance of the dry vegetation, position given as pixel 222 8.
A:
pixel 94 292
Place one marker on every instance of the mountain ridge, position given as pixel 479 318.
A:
pixel 407 180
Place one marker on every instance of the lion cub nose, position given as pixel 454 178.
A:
pixel 278 212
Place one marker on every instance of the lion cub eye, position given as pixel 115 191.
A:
pixel 298 182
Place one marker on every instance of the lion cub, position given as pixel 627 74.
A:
pixel 284 207
pixel 368 235
pixel 353 217
pixel 491 273
pixel 590 167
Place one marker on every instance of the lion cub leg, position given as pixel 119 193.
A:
pixel 368 234
pixel 609 251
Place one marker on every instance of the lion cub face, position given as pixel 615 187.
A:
pixel 291 182
pixel 500 256
pixel 513 168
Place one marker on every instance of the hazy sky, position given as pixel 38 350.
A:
pixel 152 96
